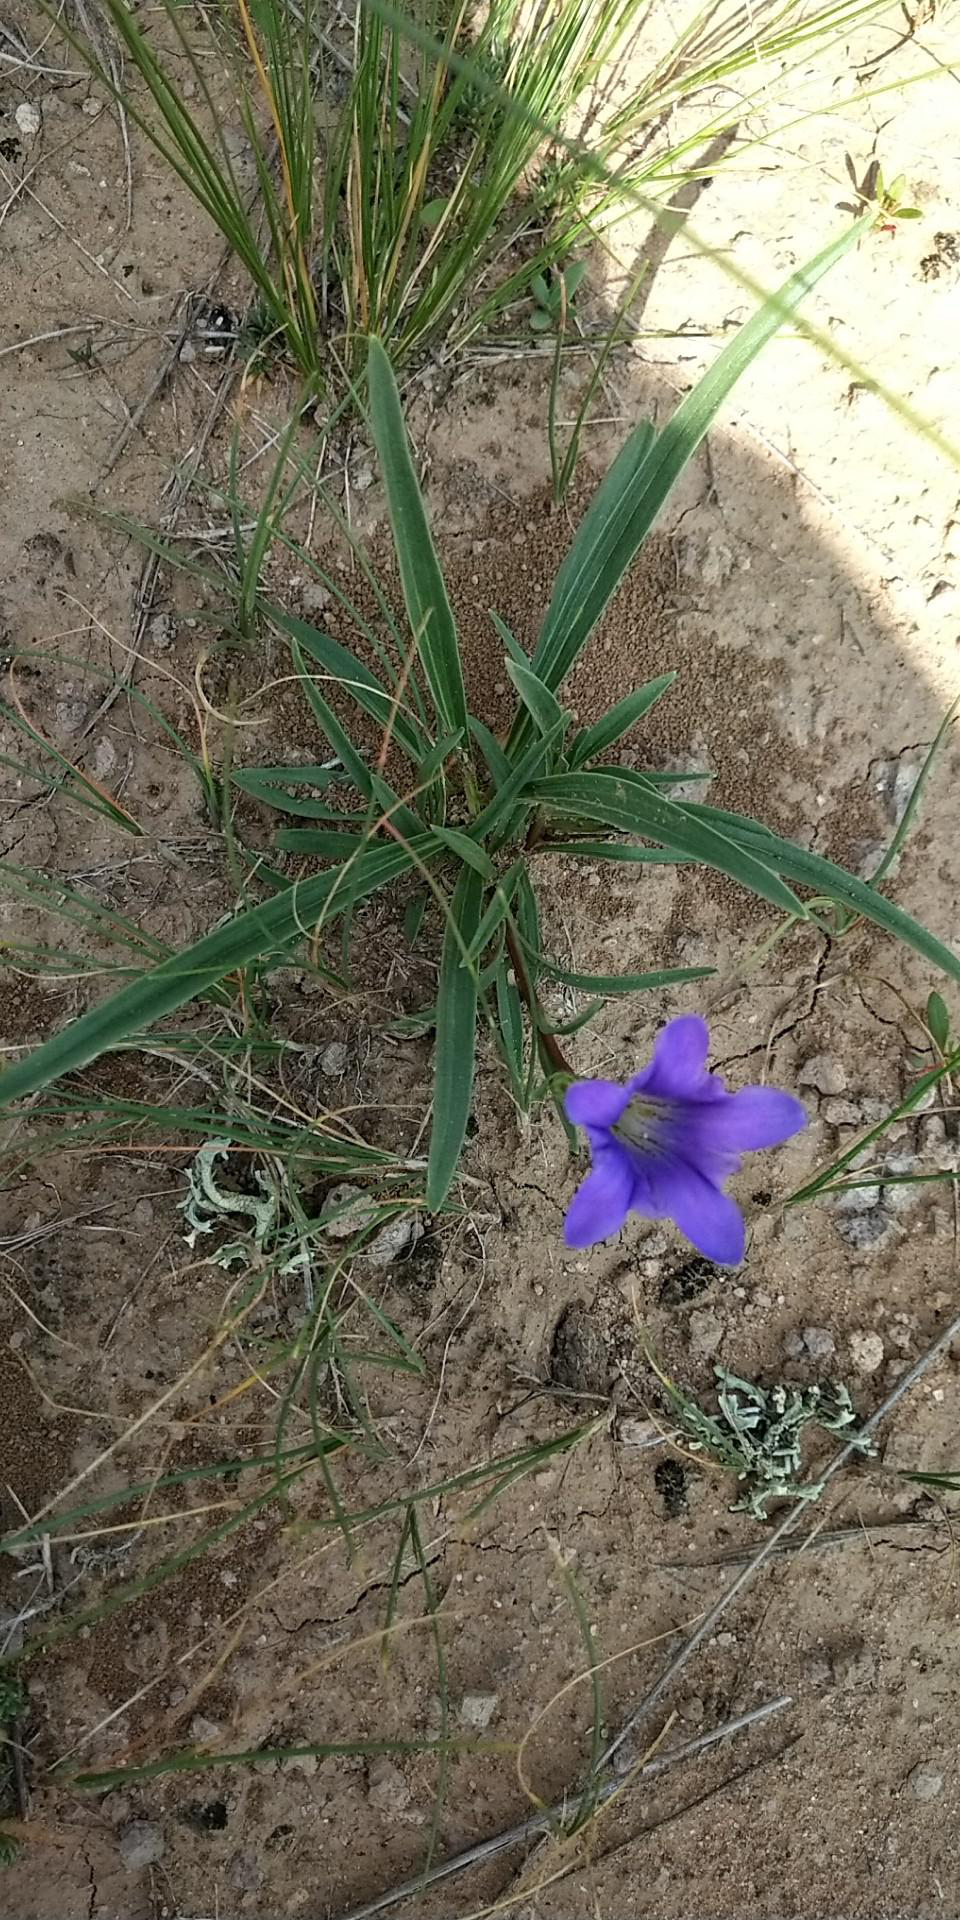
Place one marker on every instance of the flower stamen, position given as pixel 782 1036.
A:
pixel 642 1125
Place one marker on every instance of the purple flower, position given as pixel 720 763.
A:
pixel 664 1144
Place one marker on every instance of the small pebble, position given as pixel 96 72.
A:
pixel 161 632
pixel 858 1199
pixel 706 1332
pixel 841 1113
pixel 204 1732
pixel 389 1243
pixel 28 119
pixel 92 107
pixel 333 1059
pixel 692 1711
pixel 639 1433
pixel 819 1342
pixel 477 1710
pixel 866 1351
pixel 926 1781
pixel 865 1231
pixel 388 1790
pixel 140 1844
pixel 104 758
pixel 316 597
pixel 824 1074
pixel 351 1208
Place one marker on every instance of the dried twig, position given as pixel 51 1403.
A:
pixel 837 1537
pixel 548 1818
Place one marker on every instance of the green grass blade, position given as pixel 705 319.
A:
pixel 621 850
pixel 617 983
pixel 913 804
pixel 505 799
pixel 357 680
pixel 823 877
pixel 637 485
pixel 367 783
pixel 424 591
pixel 543 706
pixel 268 929
pixel 614 802
pixel 495 913
pixel 828 1176
pixel 510 1022
pixel 456 1039
pixel 594 740
pixel 328 846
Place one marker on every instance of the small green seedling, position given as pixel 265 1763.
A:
pixel 886 200
pixel 553 295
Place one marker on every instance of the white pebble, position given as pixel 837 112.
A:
pixel 866 1351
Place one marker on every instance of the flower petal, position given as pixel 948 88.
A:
pixel 756 1117
pixel 602 1201
pixel 678 1068
pixel 595 1103
pixel 702 1211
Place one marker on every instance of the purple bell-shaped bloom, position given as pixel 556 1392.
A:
pixel 665 1144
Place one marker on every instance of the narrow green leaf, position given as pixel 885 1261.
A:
pixel 509 638
pixel 938 1020
pixel 623 850
pixel 615 802
pixel 270 785
pixel 425 594
pixel 505 799
pixel 618 721
pixel 495 913
pixel 911 1101
pixel 357 680
pixel 330 846
pixel 616 983
pixel 637 485
pixel 468 850
pixel 456 1044
pixel 364 779
pixel 437 757
pixel 912 807
pixel 543 706
pixel 497 762
pixel 510 1019
pixel 528 924
pixel 821 876
pixel 413 914
pixel 579 1020
pixel 267 929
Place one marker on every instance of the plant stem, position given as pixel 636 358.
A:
pixel 547 1043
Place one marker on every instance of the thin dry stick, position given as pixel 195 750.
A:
pixel 546 1819
pixel 535 1823
pixel 55 333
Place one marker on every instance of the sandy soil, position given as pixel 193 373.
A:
pixel 804 583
